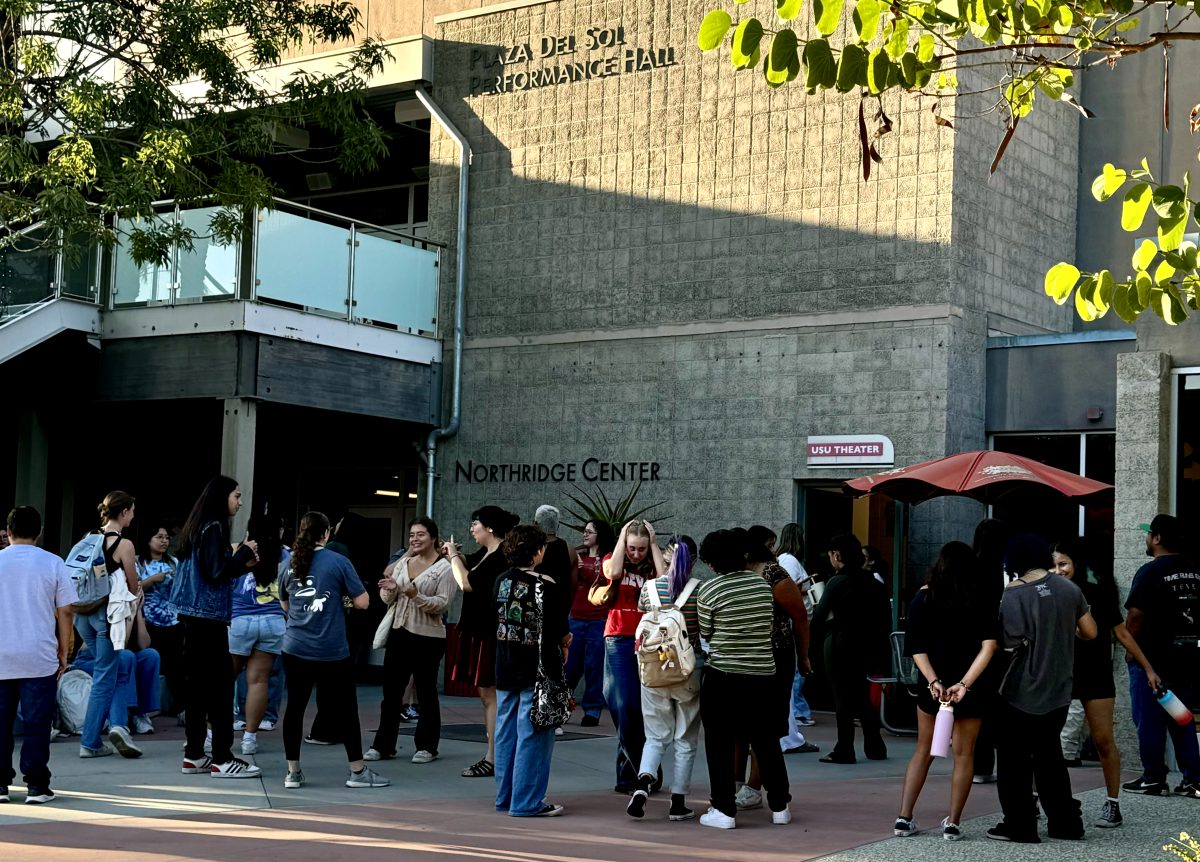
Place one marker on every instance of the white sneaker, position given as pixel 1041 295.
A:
pixel 558 731
pixel 105 750
pixel 717 820
pixel 781 818
pixel 372 755
pixel 123 742
pixel 249 745
pixel 236 768
pixel 142 724
pixel 747 797
pixel 266 724
pixel 208 743
pixel 422 757
pixel 294 780
pixel 203 766
pixel 239 725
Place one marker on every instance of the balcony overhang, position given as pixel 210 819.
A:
pixel 192 318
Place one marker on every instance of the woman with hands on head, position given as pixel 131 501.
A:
pixel 952 635
pixel 421 586
pixel 474 661
pixel 635 559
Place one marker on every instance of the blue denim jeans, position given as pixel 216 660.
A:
pixel 109 690
pixel 800 707
pixel 585 660
pixel 141 671
pixel 522 756
pixel 623 693
pixel 1153 724
pixel 274 693
pixel 36 699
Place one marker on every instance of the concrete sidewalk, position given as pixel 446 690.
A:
pixel 116 809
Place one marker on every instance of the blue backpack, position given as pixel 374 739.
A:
pixel 89 572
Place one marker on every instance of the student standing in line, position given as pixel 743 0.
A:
pixel 316 653
pixel 421 586
pixel 952 634
pixel 585 660
pixel 1092 683
pixel 528 632
pixel 156 573
pixel 474 661
pixel 736 696
pixel 855 607
pixel 989 542
pixel 36 593
pixel 108 700
pixel 671 714
pixel 203 599
pixel 635 559
pixel 791 557
pixel 257 627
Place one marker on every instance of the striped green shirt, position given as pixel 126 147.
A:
pixel 735 618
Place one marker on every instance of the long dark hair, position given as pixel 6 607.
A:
pixel 144 544
pixel 952 582
pixel 791 541
pixel 606 538
pixel 312 529
pixel 265 530
pixel 212 505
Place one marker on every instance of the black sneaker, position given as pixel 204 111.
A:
pixel 637 804
pixel 1110 816
pixel 4 797
pixel 905 827
pixel 1001 832
pixel 1190 789
pixel 39 796
pixel 590 721
pixel 1146 786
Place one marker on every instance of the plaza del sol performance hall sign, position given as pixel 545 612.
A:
pixel 599 52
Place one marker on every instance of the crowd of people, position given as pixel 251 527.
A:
pixel 1012 637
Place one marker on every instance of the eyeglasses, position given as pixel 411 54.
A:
pixel 589 532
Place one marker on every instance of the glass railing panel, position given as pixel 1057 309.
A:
pixel 134 285
pixel 27 270
pixel 303 262
pixel 81 270
pixel 395 284
pixel 209 269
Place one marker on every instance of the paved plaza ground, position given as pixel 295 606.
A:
pixel 116 810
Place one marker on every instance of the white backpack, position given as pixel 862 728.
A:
pixel 664 650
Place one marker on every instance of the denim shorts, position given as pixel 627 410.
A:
pixel 262 632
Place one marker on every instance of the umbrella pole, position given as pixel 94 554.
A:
pixel 899 544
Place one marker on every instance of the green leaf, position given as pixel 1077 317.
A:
pixel 897 42
pixel 1144 255
pixel 788 9
pixel 828 14
pixel 1145 285
pixel 1084 306
pixel 1128 24
pixel 1052 86
pixel 1060 281
pixel 1166 200
pixel 909 69
pixel 1168 305
pixel 880 69
pixel 852 68
pixel 1164 272
pixel 925 47
pixel 1103 296
pixel 1133 208
pixel 1171 229
pixel 1121 305
pixel 1106 185
pixel 866 19
pixel 820 69
pixel 783 61
pixel 713 29
pixel 745 43
pixel 1061 19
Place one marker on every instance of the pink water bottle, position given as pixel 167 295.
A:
pixel 1175 707
pixel 943 727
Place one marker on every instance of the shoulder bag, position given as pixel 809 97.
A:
pixel 552 702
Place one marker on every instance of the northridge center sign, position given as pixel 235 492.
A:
pixel 600 52
pixel 591 470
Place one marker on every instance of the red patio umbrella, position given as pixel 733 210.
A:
pixel 987 476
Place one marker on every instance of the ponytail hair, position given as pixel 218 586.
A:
pixel 313 527
pixel 113 505
pixel 680 569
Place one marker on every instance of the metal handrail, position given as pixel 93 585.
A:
pixel 359 223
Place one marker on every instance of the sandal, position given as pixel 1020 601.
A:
pixel 482 769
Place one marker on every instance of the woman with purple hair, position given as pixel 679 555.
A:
pixel 671 714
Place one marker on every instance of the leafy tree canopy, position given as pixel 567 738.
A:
pixel 107 106
pixel 1025 52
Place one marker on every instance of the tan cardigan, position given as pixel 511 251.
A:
pixel 421 614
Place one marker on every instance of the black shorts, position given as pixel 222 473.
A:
pixel 974 705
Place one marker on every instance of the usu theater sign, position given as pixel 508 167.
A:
pixel 851 450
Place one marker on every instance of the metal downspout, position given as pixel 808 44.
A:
pixel 460 306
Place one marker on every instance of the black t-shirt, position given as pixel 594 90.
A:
pixel 478 611
pixel 516 619
pixel 1094 658
pixel 951 638
pixel 1167 591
